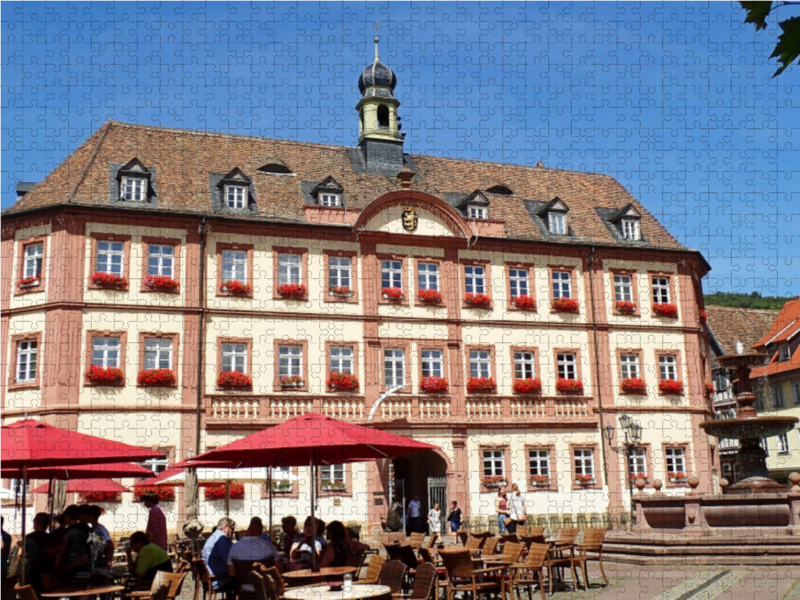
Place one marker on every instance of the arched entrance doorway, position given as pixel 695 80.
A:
pixel 424 476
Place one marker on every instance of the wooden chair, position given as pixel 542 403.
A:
pixel 417 539
pixel 566 557
pixel 25 592
pixel 592 542
pixel 374 569
pixel 203 579
pixel 172 582
pixel 393 573
pixel 473 544
pixel 424 584
pixel 509 537
pixel 530 572
pixel 464 577
pixel 511 552
pixel 277 580
pixel 245 588
pixel 263 587
pixel 490 546
pixel 566 535
pixel 533 535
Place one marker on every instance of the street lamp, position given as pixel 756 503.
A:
pixel 633 437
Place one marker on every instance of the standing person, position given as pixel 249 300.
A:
pixel 100 530
pixel 516 509
pixel 414 524
pixel 454 518
pixel 289 526
pixel 215 555
pixel 252 547
pixel 434 520
pixel 501 508
pixel 156 522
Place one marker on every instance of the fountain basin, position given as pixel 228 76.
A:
pixel 752 428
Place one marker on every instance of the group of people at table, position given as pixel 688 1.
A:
pixel 295 553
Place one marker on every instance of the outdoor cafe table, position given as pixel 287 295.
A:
pixel 296 578
pixel 87 591
pixel 358 591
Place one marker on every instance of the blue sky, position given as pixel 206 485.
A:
pixel 674 100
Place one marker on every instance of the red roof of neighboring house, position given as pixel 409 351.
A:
pixel 731 324
pixel 785 328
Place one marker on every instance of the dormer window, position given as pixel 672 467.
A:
pixel 235 189
pixel 558 223
pixel 784 353
pixel 630 229
pixel 236 196
pixel 134 182
pixel 330 199
pixel 554 215
pixel 476 212
pixel 329 193
pixel 475 206
pixel 627 222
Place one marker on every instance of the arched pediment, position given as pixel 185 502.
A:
pixel 413 213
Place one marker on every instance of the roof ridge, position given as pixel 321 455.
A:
pixel 717 306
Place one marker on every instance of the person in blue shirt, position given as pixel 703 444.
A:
pixel 215 555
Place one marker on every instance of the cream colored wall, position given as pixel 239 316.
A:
pixel 391 221
pixel 644 299
pixel 136 272
pixel 24 323
pixel 791 460
pixel 31 298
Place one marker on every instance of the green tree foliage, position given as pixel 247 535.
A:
pixel 751 300
pixel 788 47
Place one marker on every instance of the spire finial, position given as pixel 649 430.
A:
pixel 376 39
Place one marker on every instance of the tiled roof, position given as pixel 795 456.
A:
pixel 785 328
pixel 746 325
pixel 784 325
pixel 183 161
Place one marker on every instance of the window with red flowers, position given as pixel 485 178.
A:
pixel 31 265
pixel 234 363
pixel 109 261
pixel 158 360
pixel 161 259
pixel 105 358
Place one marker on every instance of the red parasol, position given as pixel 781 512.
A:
pixel 104 471
pixel 83 486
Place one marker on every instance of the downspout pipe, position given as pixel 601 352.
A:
pixel 202 334
pixel 597 365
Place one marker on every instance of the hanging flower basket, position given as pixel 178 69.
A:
pixel 100 376
pixel 291 381
pixel 161 283
pixel 478 301
pixel 109 280
pixel 333 485
pixel 625 307
pixel 670 386
pixel 527 386
pixel 395 294
pixel 569 386
pixel 236 288
pixel 234 379
pixel 101 497
pixel 156 378
pixel 540 480
pixel 709 389
pixel 524 302
pixel 566 305
pixel 433 385
pixel 481 384
pixel 496 481
pixel 430 296
pixel 292 290
pixel 165 493
pixel 344 382
pixel 30 281
pixel 703 315
pixel 341 291
pixel 585 479
pixel 216 491
pixel 633 385
pixel 676 477
pixel 669 311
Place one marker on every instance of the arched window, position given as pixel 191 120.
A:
pixel 275 168
pixel 383 117
pixel 501 190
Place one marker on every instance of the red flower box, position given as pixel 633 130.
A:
pixel 633 385
pixel 162 283
pixel 666 310
pixel 342 381
pixel 433 385
pixel 495 481
pixel 565 305
pixel 216 491
pixel 524 302
pixel 393 293
pixel 292 290
pixel 341 291
pixel 527 386
pixel 709 389
pixel 156 378
pixel 236 288
pixel 481 384
pixel 585 479
pixel 100 376
pixel 101 497
pixel 625 307
pixel 165 493
pixel 478 301
pixel 291 381
pixel 109 280
pixel 670 386
pixel 30 281
pixel 540 479
pixel 569 386
pixel 234 379
pixel 703 315
pixel 430 296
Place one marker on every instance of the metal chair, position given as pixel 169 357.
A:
pixel 592 542
pixel 530 572
pixel 374 568
pixel 417 539
pixel 490 546
pixel 424 583
pixel 245 588
pixel 171 581
pixel 392 551
pixel 464 577
pixel 393 573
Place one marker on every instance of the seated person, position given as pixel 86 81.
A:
pixel 340 546
pixel 149 558
pixel 215 555
pixel 46 568
pixel 77 551
pixel 35 541
pixel 289 526
pixel 252 547
pixel 300 554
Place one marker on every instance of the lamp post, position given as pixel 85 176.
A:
pixel 633 437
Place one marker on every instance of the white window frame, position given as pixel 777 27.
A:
pixel 557 223
pixel 428 276
pixel 637 462
pixel 782 443
pixel 623 288
pixel 158 353
pixel 34 259
pixel 236 195
pixel 234 266
pixel 27 361
pixel 796 393
pixel 660 289
pixel 161 260
pixel 667 367
pixel 432 361
pixel 107 251
pixel 629 366
pixel 494 463
pixel 475 279
pixel 778 401
pixel 784 352
pixel 277 470
pixel 524 365
pixel 290 361
pixel 156 465
pixel 340 271
pixel 234 357
pixel 518 282
pixel 341 359
pixel 330 199
pixel 584 461
pixel 630 229
pixel 394 366
pixel 675 460
pixel 392 274
pixel 562 284
pixel 476 212
pixel 538 463
pixel 332 473
pixel 106 352
pixel 290 268
pixel 480 363
pixel 567 365
pixel 133 189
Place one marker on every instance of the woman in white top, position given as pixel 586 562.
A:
pixel 516 509
pixel 434 520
